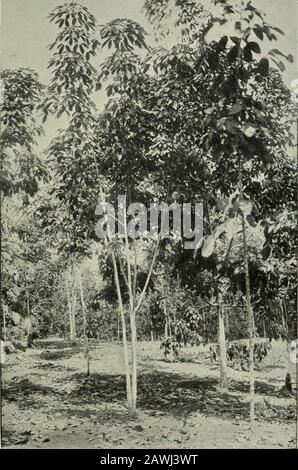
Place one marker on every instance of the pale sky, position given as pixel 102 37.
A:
pixel 26 31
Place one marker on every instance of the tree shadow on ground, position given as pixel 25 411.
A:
pixel 12 437
pixel 108 415
pixel 61 343
pixel 272 367
pixel 24 388
pixel 49 366
pixel 58 354
pixel 158 393
pixel 166 393
pixel 58 343
pixel 261 388
pixel 172 394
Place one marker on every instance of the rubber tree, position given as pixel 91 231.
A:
pixel 79 152
pixel 22 170
pixel 71 152
pixel 246 133
pixel 239 91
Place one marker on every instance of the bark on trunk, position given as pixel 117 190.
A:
pixel 222 347
pixel 86 340
pixel 118 328
pixel 171 339
pixel 70 316
pixel 134 363
pixel 166 333
pixel 124 336
pixel 4 323
pixel 29 325
pixel 73 311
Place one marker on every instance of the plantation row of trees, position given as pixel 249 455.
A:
pixel 208 120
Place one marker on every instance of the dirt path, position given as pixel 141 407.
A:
pixel 48 402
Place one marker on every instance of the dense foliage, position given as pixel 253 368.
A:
pixel 207 120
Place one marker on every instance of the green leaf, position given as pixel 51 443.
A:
pixel 278 30
pixel 233 54
pixel 247 55
pixel 250 219
pixel 235 40
pixel 266 252
pixel 258 30
pixel 221 45
pixel 275 52
pixel 281 66
pixel 254 46
pixel 263 67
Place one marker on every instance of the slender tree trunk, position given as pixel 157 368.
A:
pixel 250 315
pixel 288 377
pixel 124 336
pixel 168 330
pixel 72 303
pixel 4 322
pixel 131 281
pixel 166 333
pixel 66 320
pixel 134 363
pixel 86 341
pixel 118 327
pixel 71 337
pixel 29 325
pixel 223 383
pixel 222 346
pixel 130 374
pixel 171 338
pixel 133 327
pixel 134 307
pixel 227 324
pixel 70 313
pixel 73 312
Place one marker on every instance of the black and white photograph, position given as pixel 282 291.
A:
pixel 149 227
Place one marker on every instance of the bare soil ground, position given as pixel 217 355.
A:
pixel 48 402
